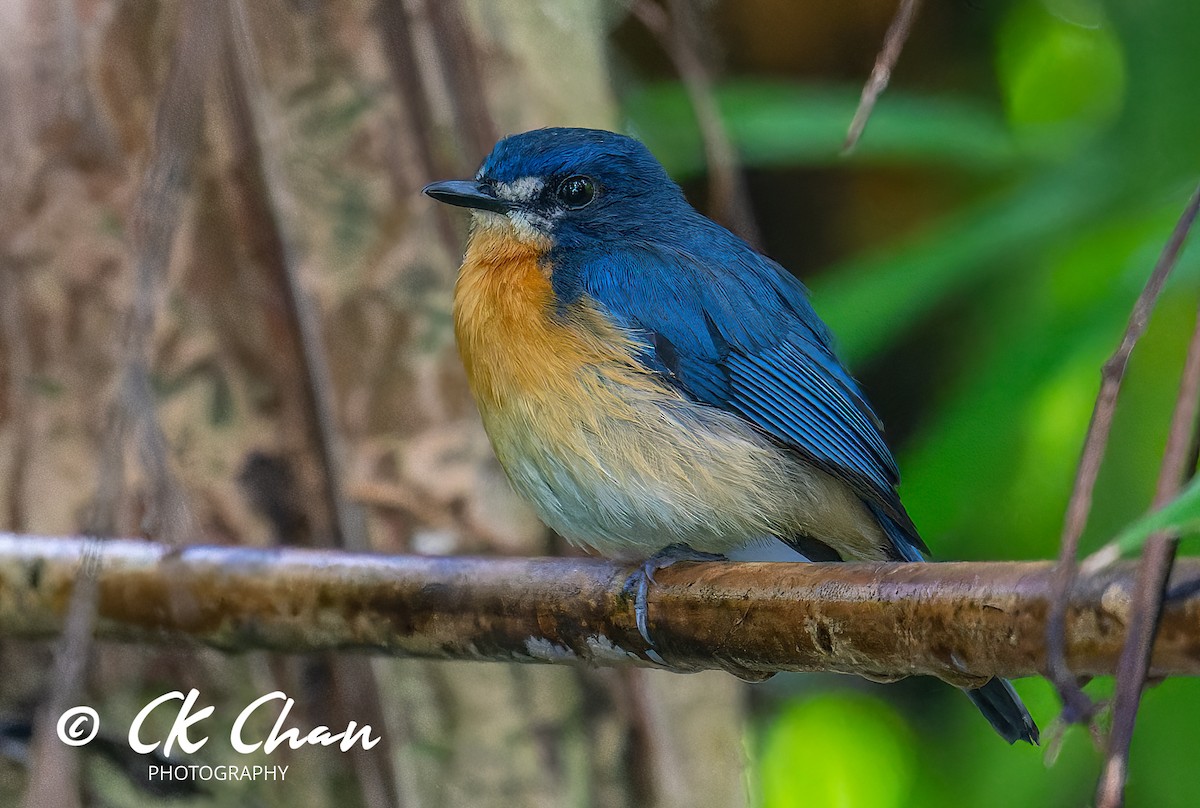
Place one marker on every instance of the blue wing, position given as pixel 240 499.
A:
pixel 734 330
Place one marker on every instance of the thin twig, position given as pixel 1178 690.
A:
pixel 1175 471
pixel 246 99
pixel 881 74
pixel 400 48
pixel 676 32
pixel 1158 556
pixel 459 58
pixel 178 124
pixel 354 680
pixel 1076 704
pixel 20 374
pixel 53 767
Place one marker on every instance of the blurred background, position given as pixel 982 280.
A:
pixel 226 319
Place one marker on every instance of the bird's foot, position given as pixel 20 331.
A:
pixel 638 583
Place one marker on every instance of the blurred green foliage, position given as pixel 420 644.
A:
pixel 1061 78
pixel 778 124
pixel 1074 165
pixel 864 755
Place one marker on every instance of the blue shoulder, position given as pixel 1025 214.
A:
pixel 734 330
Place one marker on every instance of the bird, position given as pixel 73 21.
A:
pixel 657 388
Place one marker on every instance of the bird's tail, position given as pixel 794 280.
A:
pixel 997 700
pixel 1003 709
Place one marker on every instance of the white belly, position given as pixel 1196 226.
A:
pixel 661 470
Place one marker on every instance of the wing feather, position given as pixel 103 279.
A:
pixel 743 337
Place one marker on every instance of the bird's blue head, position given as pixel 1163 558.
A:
pixel 570 188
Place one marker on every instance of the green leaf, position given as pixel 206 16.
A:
pixel 1181 515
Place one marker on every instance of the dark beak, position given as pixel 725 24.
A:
pixel 467 194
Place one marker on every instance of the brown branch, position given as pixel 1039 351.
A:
pixel 881 74
pixel 1076 705
pixel 961 622
pixel 1157 556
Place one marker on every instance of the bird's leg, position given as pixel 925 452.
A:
pixel 638 583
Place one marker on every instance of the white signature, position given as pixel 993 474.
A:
pixel 79 725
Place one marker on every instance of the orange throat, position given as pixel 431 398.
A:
pixel 503 315
pixel 514 339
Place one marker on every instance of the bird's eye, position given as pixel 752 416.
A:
pixel 576 192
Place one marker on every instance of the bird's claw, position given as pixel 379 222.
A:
pixel 638 582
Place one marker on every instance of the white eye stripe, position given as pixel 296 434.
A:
pixel 525 189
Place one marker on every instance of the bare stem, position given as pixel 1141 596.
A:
pixel 881 74
pixel 675 29
pixel 1157 557
pixel 1076 705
